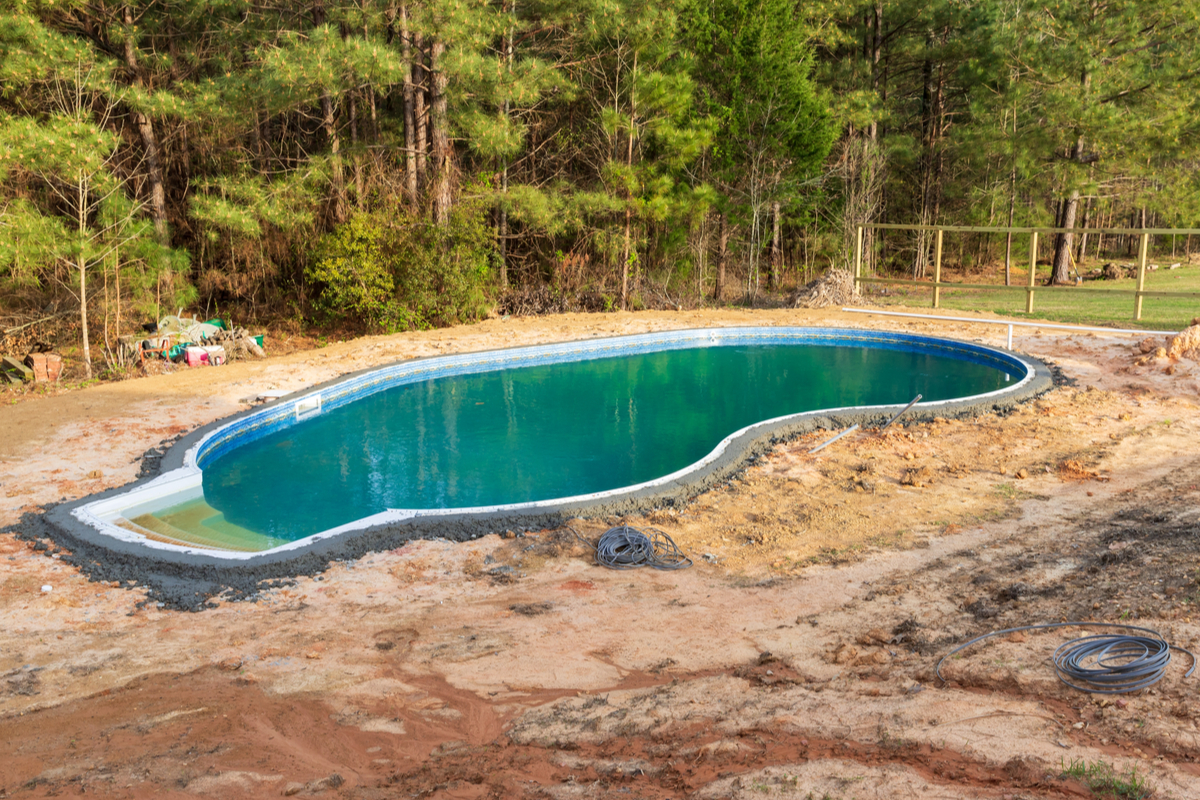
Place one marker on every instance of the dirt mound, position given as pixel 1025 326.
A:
pixel 834 288
pixel 1073 470
pixel 1115 272
pixel 1186 344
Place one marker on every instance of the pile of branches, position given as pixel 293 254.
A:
pixel 834 288
pixel 24 334
pixel 528 301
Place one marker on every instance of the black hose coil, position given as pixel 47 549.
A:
pixel 624 547
pixel 1119 663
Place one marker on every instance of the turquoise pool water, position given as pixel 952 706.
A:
pixel 543 432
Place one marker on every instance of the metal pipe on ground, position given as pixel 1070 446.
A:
pixel 901 413
pixel 822 446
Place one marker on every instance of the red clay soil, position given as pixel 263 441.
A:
pixel 795 659
pixel 209 731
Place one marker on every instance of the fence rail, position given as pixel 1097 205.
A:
pixel 1030 288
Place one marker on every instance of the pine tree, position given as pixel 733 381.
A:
pixel 67 203
pixel 754 63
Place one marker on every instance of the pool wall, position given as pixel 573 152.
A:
pixel 187 576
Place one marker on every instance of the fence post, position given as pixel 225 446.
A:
pixel 1143 247
pixel 858 259
pixel 1033 243
pixel 937 268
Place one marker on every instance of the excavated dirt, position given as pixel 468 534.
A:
pixel 1186 344
pixel 795 659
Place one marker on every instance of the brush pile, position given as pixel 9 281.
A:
pixel 834 288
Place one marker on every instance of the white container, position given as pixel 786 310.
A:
pixel 216 354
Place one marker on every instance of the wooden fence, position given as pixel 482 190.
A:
pixel 937 284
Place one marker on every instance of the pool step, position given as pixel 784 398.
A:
pixel 158 537
pixel 197 524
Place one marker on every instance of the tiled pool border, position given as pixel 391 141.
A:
pixel 89 523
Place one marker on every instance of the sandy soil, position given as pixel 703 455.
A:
pixel 795 659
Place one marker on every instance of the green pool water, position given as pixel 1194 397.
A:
pixel 537 433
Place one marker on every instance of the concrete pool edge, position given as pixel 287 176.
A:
pixel 187 579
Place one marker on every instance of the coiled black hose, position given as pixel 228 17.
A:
pixel 1119 663
pixel 624 547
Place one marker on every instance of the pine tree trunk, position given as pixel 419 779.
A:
pixel 158 197
pixel 776 247
pixel 871 182
pixel 502 221
pixel 81 265
pixel 337 180
pixel 629 197
pixel 1063 246
pixel 928 125
pixel 410 116
pixel 420 108
pixel 337 205
pixel 722 256
pixel 1064 242
pixel 625 260
pixel 442 155
pixel 1012 206
pixel 1083 237
pixel 939 160
pixel 256 138
pixel 81 217
pixel 502 231
pixel 359 191
pixel 184 161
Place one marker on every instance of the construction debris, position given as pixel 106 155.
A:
pixel 14 371
pixel 181 339
pixel 47 367
pixel 238 343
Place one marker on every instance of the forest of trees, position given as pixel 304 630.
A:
pixel 404 164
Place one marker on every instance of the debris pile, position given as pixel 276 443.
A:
pixel 1113 272
pixel 196 343
pixel 37 367
pixel 834 288
pixel 238 342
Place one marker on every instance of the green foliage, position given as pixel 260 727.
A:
pixel 755 64
pixel 240 204
pixel 28 241
pixel 354 281
pixel 609 130
pixel 1106 782
pixel 443 272
pixel 393 270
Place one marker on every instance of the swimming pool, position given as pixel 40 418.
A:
pixel 466 443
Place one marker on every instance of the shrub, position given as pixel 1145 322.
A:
pixel 393 269
pixel 443 272
pixel 353 278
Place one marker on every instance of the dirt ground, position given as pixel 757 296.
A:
pixel 795 659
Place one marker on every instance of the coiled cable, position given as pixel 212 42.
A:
pixel 624 547
pixel 1119 663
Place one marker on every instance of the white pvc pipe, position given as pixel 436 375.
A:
pixel 1010 323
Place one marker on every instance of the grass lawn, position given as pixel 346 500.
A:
pixel 1113 307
